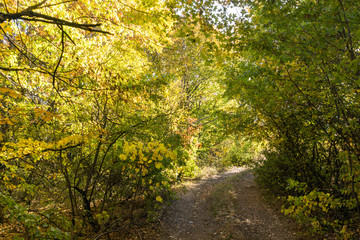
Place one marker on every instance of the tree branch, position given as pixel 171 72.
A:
pixel 29 15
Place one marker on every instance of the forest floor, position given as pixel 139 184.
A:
pixel 227 205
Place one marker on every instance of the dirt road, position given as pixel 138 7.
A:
pixel 224 206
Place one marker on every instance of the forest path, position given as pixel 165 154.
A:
pixel 224 206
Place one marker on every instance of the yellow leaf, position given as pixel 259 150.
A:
pixel 158 165
pixel 46 118
pixel 159 199
pixel 12 93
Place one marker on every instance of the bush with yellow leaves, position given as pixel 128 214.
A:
pixel 145 172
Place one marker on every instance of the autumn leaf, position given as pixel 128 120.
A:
pixel 159 199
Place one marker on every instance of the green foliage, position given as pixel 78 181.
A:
pixel 319 209
pixel 195 93
pixel 294 71
pixel 275 169
pixel 315 195
pixel 241 153
pixel 30 225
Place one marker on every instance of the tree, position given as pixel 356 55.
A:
pixel 71 95
pixel 295 68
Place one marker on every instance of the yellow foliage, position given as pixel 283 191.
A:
pixel 159 199
pixel 7 91
pixel 158 165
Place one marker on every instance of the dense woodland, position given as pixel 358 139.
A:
pixel 106 104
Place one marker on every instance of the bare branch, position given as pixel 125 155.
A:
pixel 36 6
pixel 61 55
pixel 39 17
